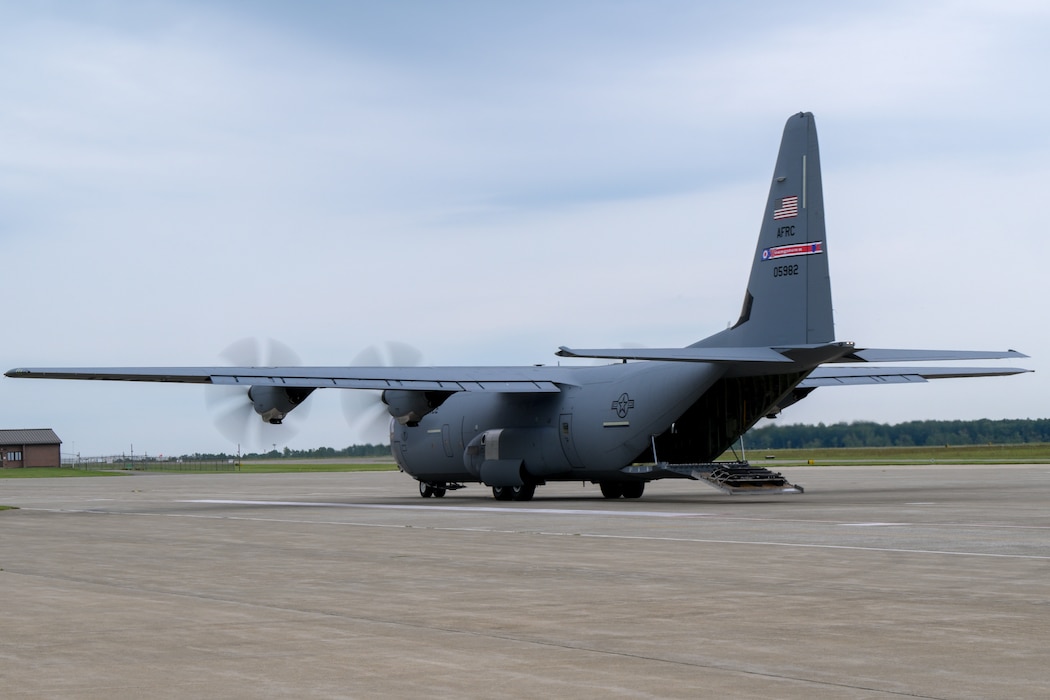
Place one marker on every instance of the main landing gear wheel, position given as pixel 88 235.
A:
pixel 633 489
pixel 523 493
pixel 427 490
pixel 622 489
pixel 514 493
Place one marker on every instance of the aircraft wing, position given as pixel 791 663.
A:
pixel 849 376
pixel 499 379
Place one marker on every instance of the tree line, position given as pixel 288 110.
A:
pixel 785 437
pixel 367 450
pixel 910 434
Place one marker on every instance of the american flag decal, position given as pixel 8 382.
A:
pixel 790 251
pixel 786 207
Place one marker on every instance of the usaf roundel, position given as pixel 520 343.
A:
pixel 622 405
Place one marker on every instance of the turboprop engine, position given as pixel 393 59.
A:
pixel 409 407
pixel 273 403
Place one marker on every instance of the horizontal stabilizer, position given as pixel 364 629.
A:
pixel 849 376
pixel 888 355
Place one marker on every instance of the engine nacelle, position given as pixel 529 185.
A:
pixel 273 403
pixel 409 407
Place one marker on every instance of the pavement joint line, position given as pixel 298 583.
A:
pixel 826 546
pixel 588 511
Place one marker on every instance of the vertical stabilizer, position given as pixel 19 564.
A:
pixel 788 299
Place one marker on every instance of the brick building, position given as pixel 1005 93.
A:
pixel 38 447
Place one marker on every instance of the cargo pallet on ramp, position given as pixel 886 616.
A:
pixel 729 477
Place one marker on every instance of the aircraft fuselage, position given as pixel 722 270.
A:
pixel 601 421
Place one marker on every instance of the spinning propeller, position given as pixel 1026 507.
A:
pixel 232 408
pixel 365 412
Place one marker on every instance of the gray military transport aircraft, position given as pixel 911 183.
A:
pixel 622 424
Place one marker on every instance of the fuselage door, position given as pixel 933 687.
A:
pixel 446 439
pixel 399 445
pixel 567 445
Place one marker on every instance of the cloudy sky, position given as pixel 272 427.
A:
pixel 488 181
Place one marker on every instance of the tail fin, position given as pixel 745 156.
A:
pixel 788 299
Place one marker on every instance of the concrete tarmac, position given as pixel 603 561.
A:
pixel 878 582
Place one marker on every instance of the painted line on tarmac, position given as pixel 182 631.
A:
pixel 874 524
pixel 459 509
pixel 804 545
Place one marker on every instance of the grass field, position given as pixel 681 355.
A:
pixel 1034 453
pixel 276 466
pixel 281 467
pixel 51 473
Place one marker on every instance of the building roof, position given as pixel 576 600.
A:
pixel 30 436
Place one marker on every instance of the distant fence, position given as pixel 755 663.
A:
pixel 150 464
